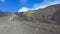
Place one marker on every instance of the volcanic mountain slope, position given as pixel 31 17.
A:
pixel 50 10
pixel 42 14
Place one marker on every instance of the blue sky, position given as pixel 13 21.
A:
pixel 24 5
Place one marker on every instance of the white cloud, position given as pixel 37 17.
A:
pixel 53 2
pixel 23 9
pixel 43 4
pixel 2 1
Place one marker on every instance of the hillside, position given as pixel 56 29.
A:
pixel 42 15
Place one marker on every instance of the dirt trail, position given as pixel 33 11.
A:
pixel 23 27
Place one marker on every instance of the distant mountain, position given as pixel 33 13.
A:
pixel 2 14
